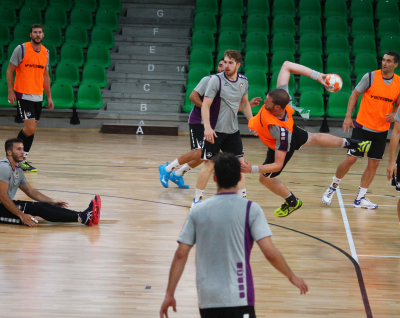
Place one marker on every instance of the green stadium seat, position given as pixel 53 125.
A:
pixel 52 34
pixel 255 92
pixel 11 48
pixel 56 17
pixel 364 63
pixel 337 44
pixel 5 37
pixel 206 6
pixel 67 73
pixel 83 18
pixel 278 59
pixel 229 41
pixel 76 35
pixel 205 21
pixel 195 75
pixel 89 97
pixel 64 4
pixel 358 103
pixel 389 43
pixel 338 63
pixel 203 40
pixel 284 7
pixel 62 95
pixel 307 84
pixel 387 9
pixel 362 26
pixel 335 8
pixel 274 79
pixel 94 75
pixel 201 58
pixel 4 67
pixel 4 95
pixel 187 104
pixel 257 80
pixel 40 4
pixel 363 44
pixel 283 24
pixel 231 22
pixel 115 5
pixel 256 42
pixel 71 53
pixel 388 27
pixel 314 102
pixel 312 60
pixel 53 53
pixel 310 43
pixel 337 104
pixel 98 55
pixel 8 16
pixel 50 74
pixel 283 42
pixel 258 7
pixel 30 15
pixel 90 5
pixel 1 55
pixel 107 18
pixel 257 23
pixel 309 8
pixel 15 4
pixel 310 25
pixel 361 9
pixel 21 33
pixel 255 60
pixel 232 6
pixel 347 86
pixel 102 36
pixel 336 25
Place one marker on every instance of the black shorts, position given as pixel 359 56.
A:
pixel 229 143
pixel 196 136
pixel 29 110
pixel 228 312
pixel 377 146
pixel 396 178
pixel 299 138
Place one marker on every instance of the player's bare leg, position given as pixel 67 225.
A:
pixel 202 179
pixel 242 183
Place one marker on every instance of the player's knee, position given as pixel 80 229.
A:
pixel 29 130
pixel 373 164
pixel 350 160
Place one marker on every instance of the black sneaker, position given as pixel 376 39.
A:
pixel 86 217
pixel 26 166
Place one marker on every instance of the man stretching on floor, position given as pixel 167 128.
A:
pixel 23 212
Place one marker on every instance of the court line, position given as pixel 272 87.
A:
pixel 379 256
pixel 370 209
pixel 378 195
pixel 354 262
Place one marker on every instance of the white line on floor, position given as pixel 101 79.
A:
pixel 377 195
pixel 379 204
pixel 379 256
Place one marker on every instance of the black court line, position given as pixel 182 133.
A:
pixel 356 265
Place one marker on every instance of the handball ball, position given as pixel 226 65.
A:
pixel 334 83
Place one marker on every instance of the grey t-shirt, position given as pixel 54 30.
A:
pixel 224 229
pixel 14 177
pixel 228 94
pixel 16 59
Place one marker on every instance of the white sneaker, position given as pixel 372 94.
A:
pixel 328 195
pixel 364 203
pixel 194 203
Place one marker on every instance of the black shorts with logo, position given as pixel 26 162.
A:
pixel 28 109
pixel 299 138
pixel 196 136
pixel 377 146
pixel 228 312
pixel 230 143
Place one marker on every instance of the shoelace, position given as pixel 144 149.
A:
pixel 330 191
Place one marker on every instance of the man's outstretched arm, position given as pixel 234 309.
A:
pixel 289 68
pixel 276 166
pixel 40 197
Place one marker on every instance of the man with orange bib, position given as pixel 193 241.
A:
pixel 276 129
pixel 30 60
pixel 381 90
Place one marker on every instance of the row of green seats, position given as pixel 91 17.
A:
pixel 91 74
pixel 67 5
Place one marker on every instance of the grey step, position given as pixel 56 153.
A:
pixel 127 58
pixel 153 49
pixel 154 68
pixel 148 81
pixel 155 32
pixel 146 88
pixel 122 39
pixel 141 76
pixel 165 5
pixel 163 2
pixel 145 107
pixel 159 13
pixel 159 22
pixel 155 96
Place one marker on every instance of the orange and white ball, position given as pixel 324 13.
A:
pixel 334 83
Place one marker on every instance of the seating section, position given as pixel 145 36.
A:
pixel 78 35
pixel 344 37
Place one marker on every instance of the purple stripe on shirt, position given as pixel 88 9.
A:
pixel 248 245
pixel 370 77
pixel 195 114
pixel 357 125
pixel 215 106
pixel 283 137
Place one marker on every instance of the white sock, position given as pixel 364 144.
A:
pixel 335 182
pixel 345 143
pixel 361 193
pixel 199 195
pixel 243 193
pixel 185 168
pixel 174 164
pixel 26 154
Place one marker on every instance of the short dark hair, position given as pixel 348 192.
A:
pixel 221 60
pixel 9 144
pixel 227 170
pixel 280 97
pixel 234 55
pixel 394 54
pixel 36 26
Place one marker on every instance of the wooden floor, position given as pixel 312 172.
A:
pixel 120 268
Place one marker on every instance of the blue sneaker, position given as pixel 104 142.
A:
pixel 178 180
pixel 164 175
pixel 194 203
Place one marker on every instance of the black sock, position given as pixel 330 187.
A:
pixel 351 143
pixel 291 199
pixel 27 140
